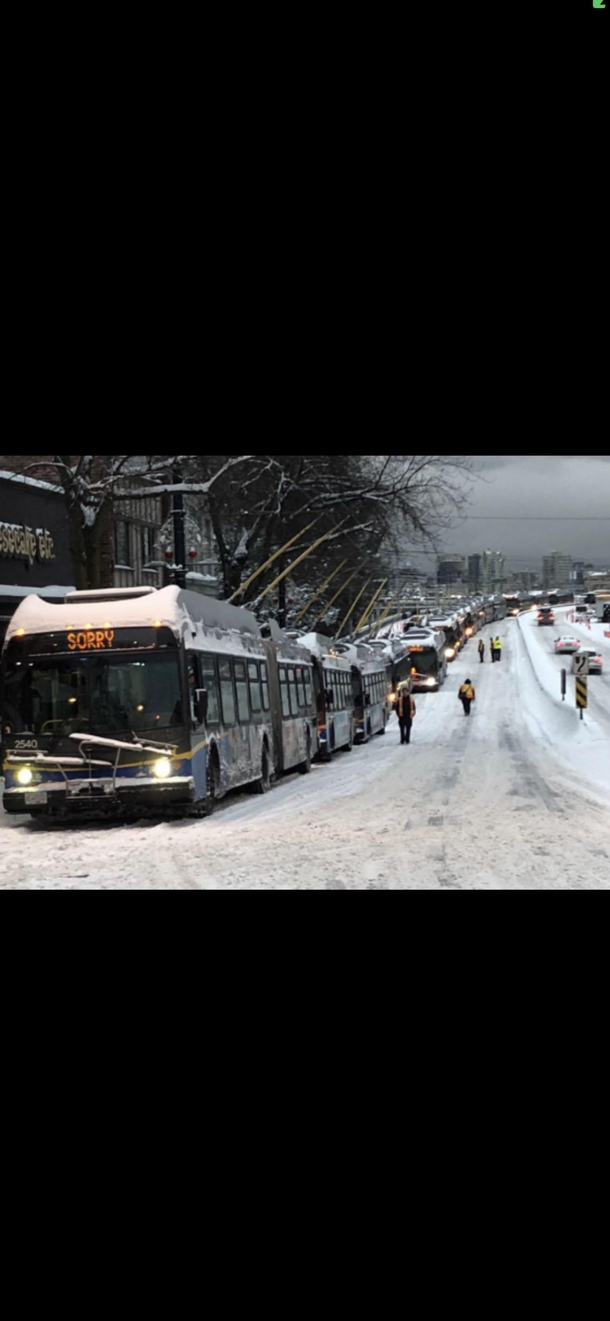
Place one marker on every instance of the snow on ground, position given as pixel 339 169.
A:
pixel 508 799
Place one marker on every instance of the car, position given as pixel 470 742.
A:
pixel 567 646
pixel 545 616
pixel 596 665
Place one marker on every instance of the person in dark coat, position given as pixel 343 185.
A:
pixel 467 696
pixel 482 651
pixel 407 711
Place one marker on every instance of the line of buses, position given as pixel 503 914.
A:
pixel 121 702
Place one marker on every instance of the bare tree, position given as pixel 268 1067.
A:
pixel 259 502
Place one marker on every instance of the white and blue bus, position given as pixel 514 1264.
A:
pixel 427 660
pixel 333 695
pixel 371 688
pixel 122 701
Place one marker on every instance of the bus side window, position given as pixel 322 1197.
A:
pixel 255 688
pixel 226 689
pixel 308 689
pixel 210 683
pixel 241 687
pixel 294 697
pixel 284 691
pixel 265 686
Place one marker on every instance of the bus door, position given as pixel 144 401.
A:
pixel 360 710
pixel 196 727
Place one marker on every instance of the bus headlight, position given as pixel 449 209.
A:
pixel 24 776
pixel 162 769
pixel 430 683
pixel 450 653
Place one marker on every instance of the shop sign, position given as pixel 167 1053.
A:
pixel 17 541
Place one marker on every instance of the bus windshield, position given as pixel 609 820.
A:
pixel 425 661
pixel 109 696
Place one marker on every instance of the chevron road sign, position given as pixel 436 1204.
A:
pixel 581 696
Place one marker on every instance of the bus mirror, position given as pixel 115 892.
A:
pixel 201 706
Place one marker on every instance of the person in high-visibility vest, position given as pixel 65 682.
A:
pixel 467 696
pixel 407 711
pixel 498 648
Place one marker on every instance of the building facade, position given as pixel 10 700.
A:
pixel 34 544
pixel 556 570
pixel 450 570
pixel 493 571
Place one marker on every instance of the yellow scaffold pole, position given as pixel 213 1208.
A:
pixel 371 607
pixel 264 566
pixel 334 598
pixel 350 612
pixel 319 591
pixel 299 561
pixel 387 610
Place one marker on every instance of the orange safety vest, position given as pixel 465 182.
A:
pixel 467 690
pixel 405 711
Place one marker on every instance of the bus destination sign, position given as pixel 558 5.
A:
pixel 100 639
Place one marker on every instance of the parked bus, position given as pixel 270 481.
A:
pixel 454 638
pixel 127 700
pixel 427 660
pixel 292 701
pixel 332 674
pixel 371 687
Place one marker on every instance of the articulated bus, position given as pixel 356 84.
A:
pixel 333 695
pixel 371 687
pixel 120 701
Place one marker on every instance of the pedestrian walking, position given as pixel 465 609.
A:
pixel 498 648
pixel 492 648
pixel 467 696
pixel 407 712
pixel 482 651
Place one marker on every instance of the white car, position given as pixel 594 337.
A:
pixel 596 665
pixel 567 646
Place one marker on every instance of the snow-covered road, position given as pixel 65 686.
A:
pixel 511 798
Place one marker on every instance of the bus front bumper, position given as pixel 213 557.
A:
pixel 99 799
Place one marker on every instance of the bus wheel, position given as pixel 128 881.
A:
pixel 263 785
pixel 305 766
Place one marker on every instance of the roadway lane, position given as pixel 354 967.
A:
pixel 599 684
pixel 478 803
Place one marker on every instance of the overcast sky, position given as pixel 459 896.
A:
pixel 536 487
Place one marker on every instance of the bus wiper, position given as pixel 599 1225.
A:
pixel 136 746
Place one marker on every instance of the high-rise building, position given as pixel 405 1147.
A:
pixel 493 571
pixel 450 570
pixel 556 570
pixel 474 572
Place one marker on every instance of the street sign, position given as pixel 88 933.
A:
pixel 581 696
pixel 580 665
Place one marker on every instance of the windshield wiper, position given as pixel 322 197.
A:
pixel 136 746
